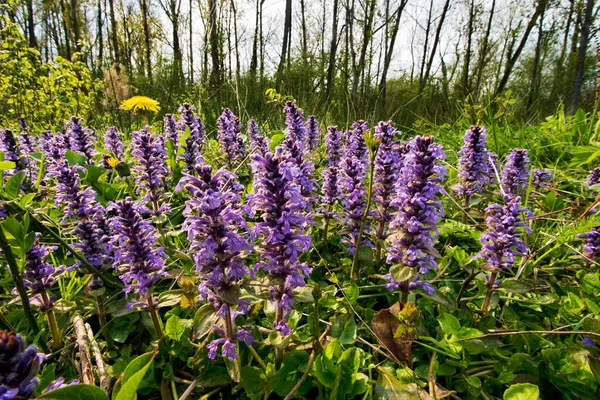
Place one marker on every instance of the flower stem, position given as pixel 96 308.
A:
pixel 154 315
pixel 230 334
pixel 56 338
pixel 354 271
pixel 466 209
pixel 278 318
pixel 102 318
pixel 488 296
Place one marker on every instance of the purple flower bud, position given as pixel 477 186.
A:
pixel 137 254
pixel 591 248
pixel 230 140
pixel 312 126
pixel 113 143
pixel 474 167
pixel 542 178
pixel 39 276
pixel 502 243
pixel 80 139
pixel 149 152
pixel 515 174
pixel 593 177
pixel 20 366
pixel 281 226
pixel 415 223
pixel 259 143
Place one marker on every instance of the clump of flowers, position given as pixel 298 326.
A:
pixel 137 254
pixel 502 243
pixel 230 140
pixel 8 146
pixel 217 229
pixel 312 127
pixel 333 142
pixel 80 138
pixel 591 248
pixel 542 178
pixel 515 174
pixel 151 170
pixel 20 366
pixel 194 143
pixel 281 226
pixel 113 143
pixel 258 142
pixel 26 142
pixel 294 120
pixel 419 211
pixel 593 177
pixel 474 168
pixel 385 175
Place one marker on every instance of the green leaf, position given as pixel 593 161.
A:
pixel 365 253
pixel 174 328
pixel 126 387
pixel 13 186
pixel 94 173
pixel 344 328
pixel 75 158
pixel 522 391
pixel 516 286
pixel 401 273
pixel 254 382
pixel 292 369
pixel 76 392
pixel 6 165
pixel 449 323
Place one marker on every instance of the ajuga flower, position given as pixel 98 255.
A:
pixel 356 143
pixel 259 143
pixel 502 240
pixel 515 174
pixel 113 143
pixel 171 131
pixel 333 142
pixel 591 248
pixel 8 146
pixel 137 254
pixel 20 365
pixel 26 141
pixel 474 167
pixel 217 229
pixel 230 141
pixel 415 223
pixel 593 177
pixel 194 143
pixel 294 119
pixel 80 138
pixel 542 178
pixel 39 276
pixel 281 226
pixel 385 176
pixel 151 170
pixel 312 127
pixel 54 153
pixel 77 202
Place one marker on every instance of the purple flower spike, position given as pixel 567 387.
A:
pixel 591 248
pixel 113 143
pixel 385 175
pixel 217 229
pixel 171 131
pixel 419 211
pixel 356 143
pixel 593 177
pixel 474 168
pixel 20 366
pixel 80 139
pixel 542 178
pixel 27 144
pixel 331 175
pixel 502 240
pixel 515 174
pixel 151 170
pixel 8 145
pixel 39 276
pixel 77 202
pixel 312 126
pixel 259 143
pixel 194 143
pixel 137 254
pixel 281 227
pixel 294 119
pixel 230 141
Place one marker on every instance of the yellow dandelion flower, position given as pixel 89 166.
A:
pixel 113 162
pixel 140 103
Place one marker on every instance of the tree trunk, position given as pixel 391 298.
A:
pixel 147 40
pixel 425 46
pixel 536 64
pixel 114 34
pixel 66 30
pixel 367 33
pixel 512 60
pixel 467 64
pixel 332 51
pixel 436 41
pixel 485 41
pixel 30 25
pixel 261 42
pixel 254 59
pixel 236 42
pixel 393 33
pixel 177 53
pixel 75 25
pixel 584 37
pixel 191 44
pixel 100 37
pixel 214 44
pixel 287 27
pixel 304 33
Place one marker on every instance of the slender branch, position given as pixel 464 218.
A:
pixel 311 358
pixel 515 333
